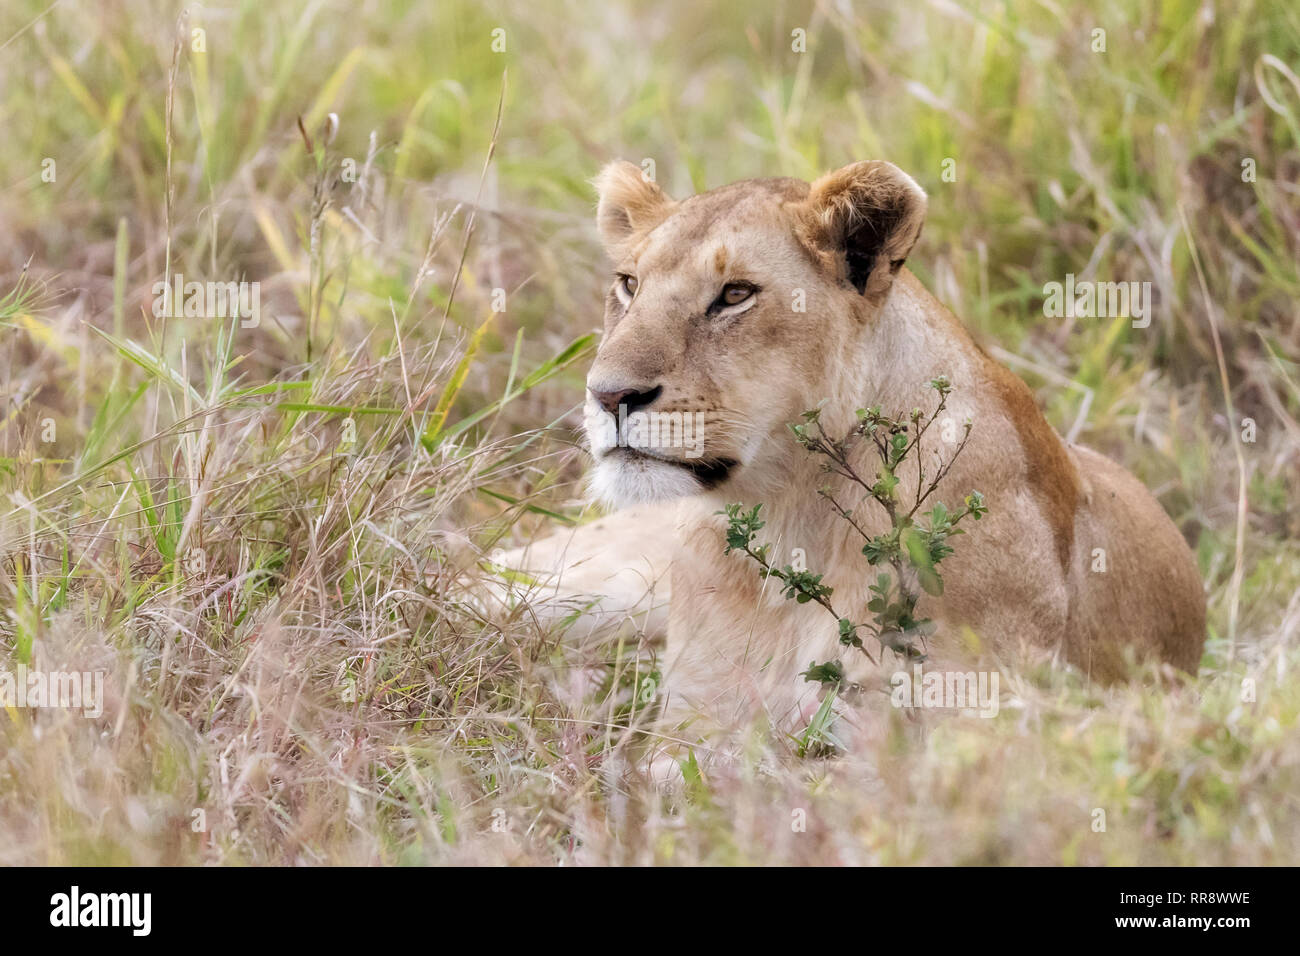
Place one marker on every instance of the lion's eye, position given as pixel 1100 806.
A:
pixel 627 285
pixel 735 293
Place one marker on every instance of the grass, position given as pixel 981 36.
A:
pixel 267 537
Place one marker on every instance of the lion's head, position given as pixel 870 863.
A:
pixel 730 313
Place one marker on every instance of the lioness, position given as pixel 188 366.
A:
pixel 744 306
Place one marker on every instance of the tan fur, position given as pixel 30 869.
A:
pixel 871 334
pixel 608 572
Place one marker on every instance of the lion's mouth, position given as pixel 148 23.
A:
pixel 709 472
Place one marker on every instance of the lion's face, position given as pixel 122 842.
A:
pixel 729 314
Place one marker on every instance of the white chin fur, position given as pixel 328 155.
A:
pixel 621 482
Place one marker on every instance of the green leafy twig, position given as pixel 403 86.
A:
pixel 908 552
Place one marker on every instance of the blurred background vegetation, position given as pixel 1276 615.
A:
pixel 145 138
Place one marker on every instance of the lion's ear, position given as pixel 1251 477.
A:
pixel 630 203
pixel 869 214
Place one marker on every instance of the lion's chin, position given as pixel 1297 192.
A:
pixel 623 478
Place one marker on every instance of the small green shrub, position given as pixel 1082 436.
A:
pixel 906 556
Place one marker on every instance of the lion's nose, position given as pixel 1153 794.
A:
pixel 631 397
